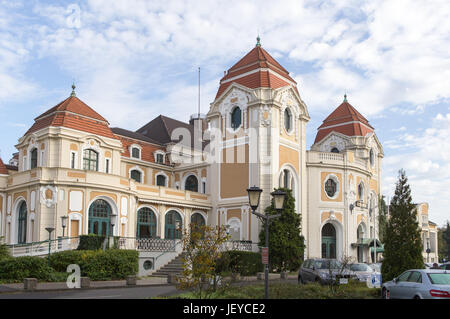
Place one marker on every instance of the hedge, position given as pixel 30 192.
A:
pixel 90 242
pixel 112 264
pixel 18 268
pixel 243 262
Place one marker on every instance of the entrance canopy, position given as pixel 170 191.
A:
pixel 368 242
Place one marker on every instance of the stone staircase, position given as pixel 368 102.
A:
pixel 174 267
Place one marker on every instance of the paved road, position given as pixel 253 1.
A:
pixel 110 293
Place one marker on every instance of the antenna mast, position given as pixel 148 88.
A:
pixel 199 92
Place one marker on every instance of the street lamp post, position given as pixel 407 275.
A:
pixel 254 195
pixel 50 230
pixel 63 223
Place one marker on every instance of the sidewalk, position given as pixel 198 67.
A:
pixel 149 281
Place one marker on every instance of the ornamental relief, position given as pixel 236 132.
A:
pixel 48 195
pixel 235 98
pixel 331 142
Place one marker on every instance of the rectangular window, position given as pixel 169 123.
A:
pixel 160 158
pixel 72 160
pixel 107 166
pixel 204 187
pixel 135 152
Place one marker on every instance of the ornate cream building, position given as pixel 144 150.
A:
pixel 169 173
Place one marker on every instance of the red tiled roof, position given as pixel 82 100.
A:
pixel 346 120
pixel 256 60
pixel 75 114
pixel 3 169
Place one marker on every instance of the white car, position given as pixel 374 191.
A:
pixel 418 284
pixel 362 271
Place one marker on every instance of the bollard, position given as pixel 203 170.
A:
pixel 131 280
pixel 30 284
pixel 85 282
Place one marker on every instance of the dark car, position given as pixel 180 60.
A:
pixel 323 271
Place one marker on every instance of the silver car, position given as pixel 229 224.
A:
pixel 418 284
pixel 362 271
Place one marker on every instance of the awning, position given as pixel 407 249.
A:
pixel 369 242
pixel 380 249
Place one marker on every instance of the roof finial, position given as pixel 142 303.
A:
pixel 258 39
pixel 73 89
pixel 345 97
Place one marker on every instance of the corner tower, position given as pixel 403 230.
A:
pixel 258 122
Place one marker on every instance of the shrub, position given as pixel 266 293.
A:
pixel 4 250
pixel 98 265
pixel 18 268
pixel 243 262
pixel 90 242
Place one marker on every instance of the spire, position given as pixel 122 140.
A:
pixel 345 97
pixel 258 39
pixel 73 90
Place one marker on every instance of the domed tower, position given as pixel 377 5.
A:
pixel 344 184
pixel 258 125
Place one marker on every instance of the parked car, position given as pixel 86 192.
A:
pixel 323 271
pixel 445 266
pixel 362 271
pixel 418 284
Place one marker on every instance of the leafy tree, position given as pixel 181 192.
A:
pixel 202 248
pixel 403 245
pixel 382 219
pixel 444 242
pixel 286 245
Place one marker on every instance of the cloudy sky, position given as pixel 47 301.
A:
pixel 133 60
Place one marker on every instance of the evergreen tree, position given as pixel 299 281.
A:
pixel 382 219
pixel 403 245
pixel 286 245
pixel 446 239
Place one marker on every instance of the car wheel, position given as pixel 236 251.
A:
pixel 416 297
pixel 300 280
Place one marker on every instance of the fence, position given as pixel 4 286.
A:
pixel 42 247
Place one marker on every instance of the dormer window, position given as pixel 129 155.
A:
pixel 159 157
pixel 90 160
pixel 135 152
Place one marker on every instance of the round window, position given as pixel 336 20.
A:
pixel 331 187
pixel 148 264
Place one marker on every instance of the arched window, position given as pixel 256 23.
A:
pixel 197 221
pixel 286 178
pixel 361 191
pixel 334 150
pixel 33 161
pixel 136 152
pixel 328 241
pixel 22 224
pixel 173 225
pixel 99 218
pixel 146 223
pixel 234 229
pixel 191 184
pixel 136 175
pixel 331 187
pixel 161 180
pixel 236 118
pixel 287 120
pixel 371 157
pixel 90 160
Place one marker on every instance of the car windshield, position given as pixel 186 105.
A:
pixel 440 279
pixel 327 264
pixel 360 267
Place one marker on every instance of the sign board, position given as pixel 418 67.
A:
pixel 343 281
pixel 265 255
pixel 374 281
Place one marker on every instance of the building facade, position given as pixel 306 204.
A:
pixel 428 233
pixel 169 173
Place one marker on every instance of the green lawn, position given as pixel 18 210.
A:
pixel 353 290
